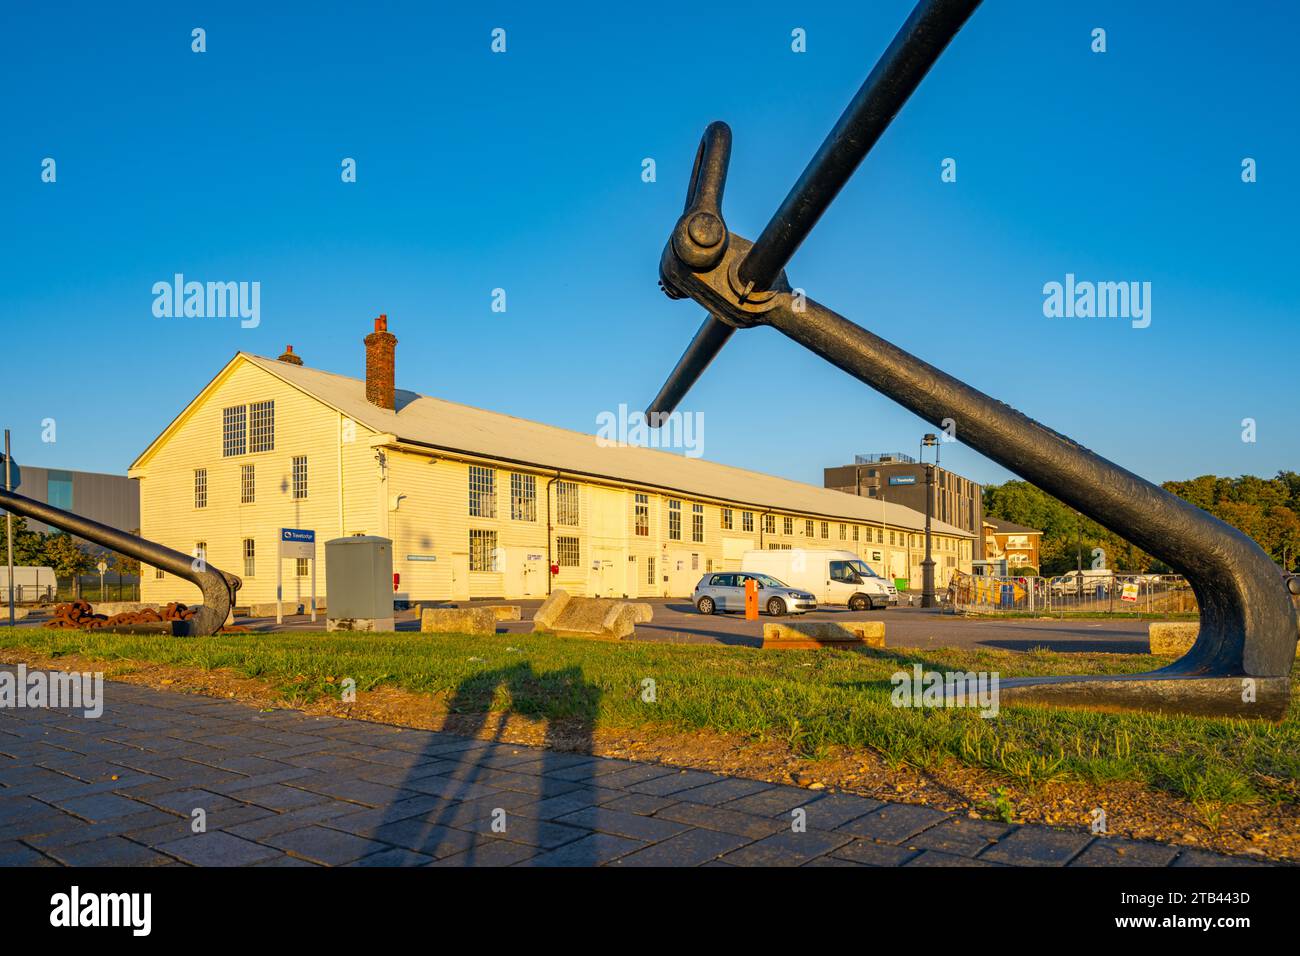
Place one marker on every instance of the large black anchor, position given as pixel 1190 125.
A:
pixel 1241 660
pixel 218 587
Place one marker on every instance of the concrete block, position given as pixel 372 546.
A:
pixel 458 620
pixel 359 624
pixel 111 608
pixel 1175 638
pixel 602 619
pixel 799 635
pixel 1172 638
pixel 506 612
pixel 268 609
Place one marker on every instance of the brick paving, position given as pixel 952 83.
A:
pixel 283 788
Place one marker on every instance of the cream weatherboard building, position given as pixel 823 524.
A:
pixel 477 504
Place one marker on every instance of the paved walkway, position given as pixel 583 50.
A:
pixel 287 789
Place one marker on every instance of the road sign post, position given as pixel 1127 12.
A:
pixel 294 543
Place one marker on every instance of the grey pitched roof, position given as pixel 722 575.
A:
pixel 440 424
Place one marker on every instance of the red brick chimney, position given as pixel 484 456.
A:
pixel 380 345
pixel 289 357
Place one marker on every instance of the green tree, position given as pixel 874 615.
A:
pixel 67 559
pixel 29 545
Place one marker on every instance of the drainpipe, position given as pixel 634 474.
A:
pixel 549 535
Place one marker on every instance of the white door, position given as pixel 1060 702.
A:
pixel 460 577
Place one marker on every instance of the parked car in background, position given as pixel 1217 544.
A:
pixel 1078 583
pixel 725 591
pixel 832 576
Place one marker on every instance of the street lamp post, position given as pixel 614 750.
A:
pixel 927 566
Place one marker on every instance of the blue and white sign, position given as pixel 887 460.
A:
pixel 297 543
pixel 902 479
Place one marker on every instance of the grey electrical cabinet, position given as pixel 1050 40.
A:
pixel 359 578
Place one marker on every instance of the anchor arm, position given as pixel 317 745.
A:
pixel 218 587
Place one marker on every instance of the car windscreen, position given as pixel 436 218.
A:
pixel 767 581
pixel 863 569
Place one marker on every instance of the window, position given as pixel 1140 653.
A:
pixel 247 485
pixel 200 487
pixel 697 523
pixel 250 557
pixel 825 530
pixel 891 536
pixel 856 532
pixel 158 573
pixel 302 567
pixel 59 490
pixel 695 562
pixel 787 525
pixel 747 521
pixel 482 550
pixel 566 504
pixel 200 555
pixel 567 552
pixel 482 492
pixel 643 518
pixel 299 477
pixel 674 520
pixel 769 524
pixel 880 536
pixel 843 531
pixel 650 570
pixel 808 528
pixel 726 519
pixel 234 431
pixel 523 497
pixel 261 426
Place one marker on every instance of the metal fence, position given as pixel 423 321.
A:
pixel 1085 591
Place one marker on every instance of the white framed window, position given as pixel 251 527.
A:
pixel 769 524
pixel 523 497
pixel 261 426
pixel 566 504
pixel 568 552
pixel 200 555
pixel 299 477
pixel 826 531
pixel 482 550
pixel 642 517
pixel 200 487
pixel 844 531
pixel 234 431
pixel 247 485
pixel 747 521
pixel 674 519
pixel 726 519
pixel 482 492
pixel 856 532
pixel 303 570
pixel 250 558
pixel 808 528
pixel 158 573
pixel 788 525
pixel 650 570
pixel 697 523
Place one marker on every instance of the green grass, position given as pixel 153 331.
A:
pixel 811 700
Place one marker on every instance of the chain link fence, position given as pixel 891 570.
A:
pixel 1091 591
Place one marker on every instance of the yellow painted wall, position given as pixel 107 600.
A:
pixel 303 426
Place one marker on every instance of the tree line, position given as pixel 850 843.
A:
pixel 60 551
pixel 1267 509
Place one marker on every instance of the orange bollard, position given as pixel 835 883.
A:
pixel 751 599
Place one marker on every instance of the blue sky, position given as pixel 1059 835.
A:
pixel 523 171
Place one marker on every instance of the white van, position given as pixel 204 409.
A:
pixel 833 577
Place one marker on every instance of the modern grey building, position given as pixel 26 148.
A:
pixel 900 479
pixel 111 499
